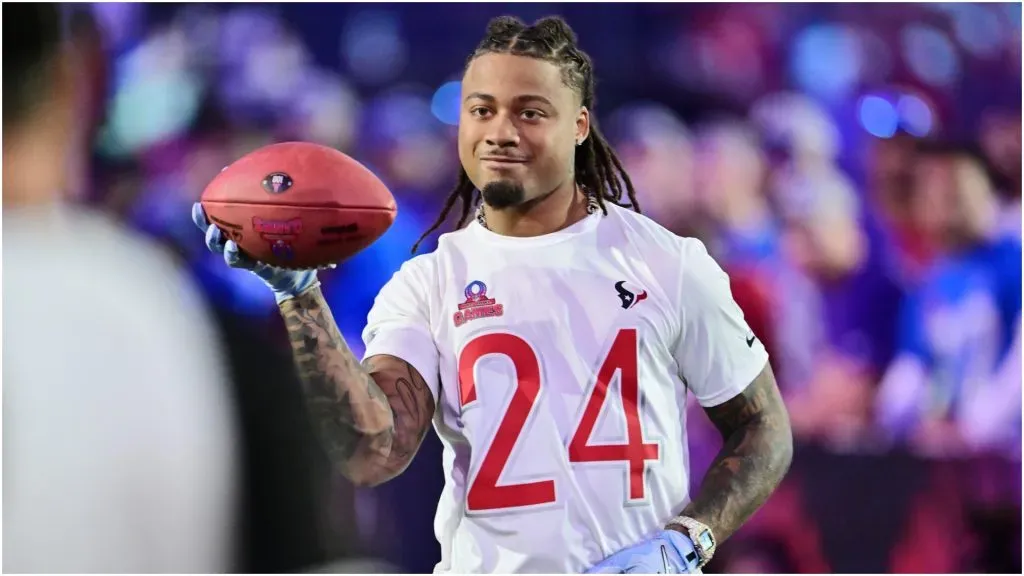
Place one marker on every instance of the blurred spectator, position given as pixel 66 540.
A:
pixel 789 221
pixel 956 382
pixel 1000 141
pixel 736 218
pixel 656 149
pixel 731 174
pixel 889 180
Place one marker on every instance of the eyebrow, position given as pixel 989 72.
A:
pixel 525 98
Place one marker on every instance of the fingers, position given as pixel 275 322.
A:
pixel 236 258
pixel 199 217
pixel 218 243
pixel 215 239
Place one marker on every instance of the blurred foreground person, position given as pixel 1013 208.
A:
pixel 118 434
pixel 141 434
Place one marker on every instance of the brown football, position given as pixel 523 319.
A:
pixel 299 205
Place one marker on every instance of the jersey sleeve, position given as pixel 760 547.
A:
pixel 399 322
pixel 718 353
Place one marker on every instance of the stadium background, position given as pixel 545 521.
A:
pixel 787 137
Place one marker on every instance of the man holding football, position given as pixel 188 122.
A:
pixel 552 342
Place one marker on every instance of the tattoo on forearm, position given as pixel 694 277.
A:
pixel 756 455
pixel 370 419
pixel 413 407
pixel 346 405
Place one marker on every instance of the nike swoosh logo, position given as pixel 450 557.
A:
pixel 750 341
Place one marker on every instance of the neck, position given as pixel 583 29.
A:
pixel 34 170
pixel 559 209
pixel 963 241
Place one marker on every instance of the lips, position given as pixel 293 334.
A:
pixel 503 159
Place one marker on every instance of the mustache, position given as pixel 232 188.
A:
pixel 505 156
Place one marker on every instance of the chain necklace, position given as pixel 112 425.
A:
pixel 592 206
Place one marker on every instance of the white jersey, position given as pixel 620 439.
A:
pixel 560 365
pixel 118 429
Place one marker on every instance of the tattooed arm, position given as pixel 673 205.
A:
pixel 371 418
pixel 756 455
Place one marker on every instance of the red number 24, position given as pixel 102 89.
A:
pixel 484 491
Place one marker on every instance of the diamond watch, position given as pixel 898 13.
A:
pixel 703 540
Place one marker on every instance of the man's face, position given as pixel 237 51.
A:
pixel 890 175
pixel 952 200
pixel 933 203
pixel 1000 139
pixel 518 128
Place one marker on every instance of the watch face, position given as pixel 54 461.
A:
pixel 705 540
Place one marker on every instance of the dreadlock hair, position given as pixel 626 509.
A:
pixel 597 168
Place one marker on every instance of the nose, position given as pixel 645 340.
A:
pixel 503 132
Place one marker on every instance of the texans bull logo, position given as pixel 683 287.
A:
pixel 629 295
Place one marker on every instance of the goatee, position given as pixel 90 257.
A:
pixel 503 194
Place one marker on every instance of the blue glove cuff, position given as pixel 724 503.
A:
pixel 283 295
pixel 684 547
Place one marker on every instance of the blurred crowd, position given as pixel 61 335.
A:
pixel 855 168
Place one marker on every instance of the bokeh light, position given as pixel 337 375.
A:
pixel 878 116
pixel 827 59
pixel 373 47
pixel 914 115
pixel 793 123
pixel 978 29
pixel 930 54
pixel 156 96
pixel 327 110
pixel 243 28
pixel 445 103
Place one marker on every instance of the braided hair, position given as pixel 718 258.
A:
pixel 597 170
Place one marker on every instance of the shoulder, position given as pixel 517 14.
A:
pixel 88 258
pixel 150 332
pixel 681 264
pixel 419 269
pixel 413 287
pixel 1005 263
pixel 1002 255
pixel 644 232
pixel 670 250
pixel 448 244
pixel 82 273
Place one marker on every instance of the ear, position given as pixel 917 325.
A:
pixel 582 125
